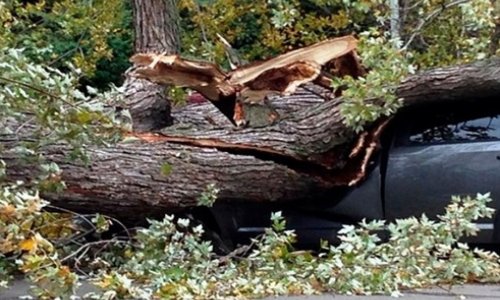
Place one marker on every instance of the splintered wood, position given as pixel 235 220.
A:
pixel 241 94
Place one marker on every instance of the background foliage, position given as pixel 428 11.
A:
pixel 259 29
pixel 95 36
pixel 263 28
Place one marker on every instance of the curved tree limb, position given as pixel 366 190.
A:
pixel 304 157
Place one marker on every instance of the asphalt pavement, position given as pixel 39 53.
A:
pixel 476 292
pixel 469 291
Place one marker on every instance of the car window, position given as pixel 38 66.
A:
pixel 482 129
pixel 461 125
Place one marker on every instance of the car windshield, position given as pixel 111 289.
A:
pixel 472 130
pixel 445 126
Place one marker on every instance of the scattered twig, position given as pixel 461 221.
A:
pixel 125 229
pixel 70 51
pixel 37 89
pixel 202 27
pixel 23 125
pixel 413 6
pixel 430 17
pixel 233 57
pixel 240 252
pixel 90 244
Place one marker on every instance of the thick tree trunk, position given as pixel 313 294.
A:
pixel 156 30
pixel 304 157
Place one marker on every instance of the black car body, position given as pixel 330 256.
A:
pixel 426 156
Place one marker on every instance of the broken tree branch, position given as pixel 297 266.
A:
pixel 304 157
pixel 249 84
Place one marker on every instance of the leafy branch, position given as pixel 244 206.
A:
pixel 434 14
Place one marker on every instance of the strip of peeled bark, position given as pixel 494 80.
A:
pixel 301 159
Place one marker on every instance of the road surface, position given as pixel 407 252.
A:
pixel 474 292
pixel 468 292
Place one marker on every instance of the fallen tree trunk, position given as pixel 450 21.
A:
pixel 304 157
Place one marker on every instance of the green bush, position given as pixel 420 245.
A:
pixel 95 36
pixel 171 261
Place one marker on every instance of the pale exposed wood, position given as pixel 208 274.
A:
pixel 319 53
pixel 249 84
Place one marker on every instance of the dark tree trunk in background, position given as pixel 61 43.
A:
pixel 156 26
pixel 304 157
pixel 156 30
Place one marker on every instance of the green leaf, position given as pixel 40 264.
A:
pixel 101 223
pixel 166 169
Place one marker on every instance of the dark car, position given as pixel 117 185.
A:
pixel 426 156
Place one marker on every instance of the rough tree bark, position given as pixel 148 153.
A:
pixel 304 157
pixel 156 30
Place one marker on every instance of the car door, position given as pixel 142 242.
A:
pixel 440 155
